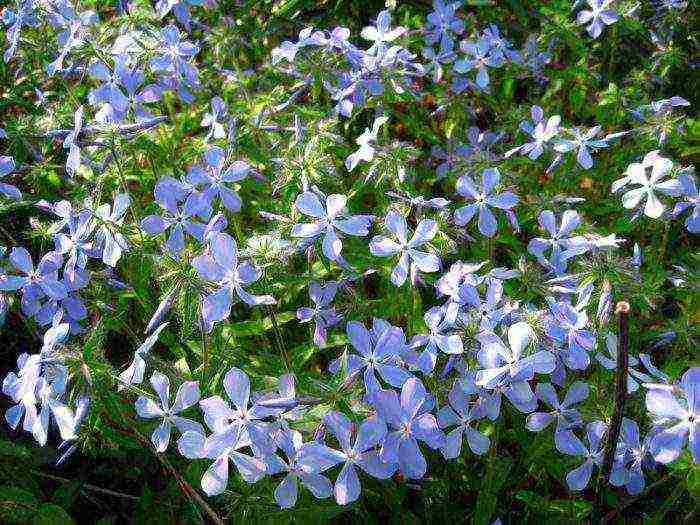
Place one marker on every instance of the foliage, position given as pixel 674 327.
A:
pixel 333 261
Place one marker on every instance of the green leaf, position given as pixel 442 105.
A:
pixel 256 327
pixel 14 450
pixel 693 482
pixel 16 505
pixel 50 514
pixel 497 472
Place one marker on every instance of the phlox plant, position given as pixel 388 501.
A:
pixel 287 261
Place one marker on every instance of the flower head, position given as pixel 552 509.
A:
pixel 323 314
pixel 329 220
pixel 484 198
pixel 462 415
pixel 187 395
pixel 358 452
pixel 677 410
pixel 567 443
pixel 649 176
pixel 410 421
pixel 597 17
pixel 222 267
pixel 410 257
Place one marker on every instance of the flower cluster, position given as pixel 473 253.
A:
pixel 515 318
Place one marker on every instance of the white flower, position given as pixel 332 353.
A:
pixel 649 175
pixel 365 141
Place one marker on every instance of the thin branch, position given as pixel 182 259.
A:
pixel 622 309
pixel 87 486
pixel 124 129
pixel 191 492
pixel 618 510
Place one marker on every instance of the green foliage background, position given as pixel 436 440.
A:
pixel 116 478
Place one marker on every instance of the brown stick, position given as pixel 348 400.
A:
pixel 191 492
pixel 618 510
pixel 622 309
pixel 86 486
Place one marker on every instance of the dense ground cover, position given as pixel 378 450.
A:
pixel 331 261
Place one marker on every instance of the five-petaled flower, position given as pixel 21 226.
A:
pixel 187 395
pixel 359 452
pixel 222 267
pixel 597 17
pixel 649 176
pixel 484 198
pixel 410 257
pixel 410 421
pixel 330 220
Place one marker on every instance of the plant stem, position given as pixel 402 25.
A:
pixel 613 434
pixel 86 486
pixel 278 337
pixel 191 493
pixel 664 243
pixel 618 510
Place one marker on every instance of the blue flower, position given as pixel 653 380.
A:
pixel 330 220
pixel 484 199
pixel 177 221
pixel 34 283
pixel 112 244
pixel 211 120
pixel 134 373
pixel 244 415
pixel 442 23
pixel 25 15
pixel 677 410
pixel 461 415
pixel 74 32
pixel 563 413
pixel 561 245
pixel 631 457
pixel 7 166
pixel 509 362
pixel 438 338
pixel 445 55
pixel 187 395
pixel 583 141
pixel 481 56
pixel 567 326
pixel 568 443
pixel 71 143
pixel 380 351
pixel 691 200
pixel 410 257
pixel 410 421
pixel 597 17
pixel 541 131
pixel 287 491
pixel 365 141
pixel 212 180
pixel 174 63
pixel 323 314
pixel 359 452
pixel 179 8
pixel 492 35
pixel 223 447
pixel 223 268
